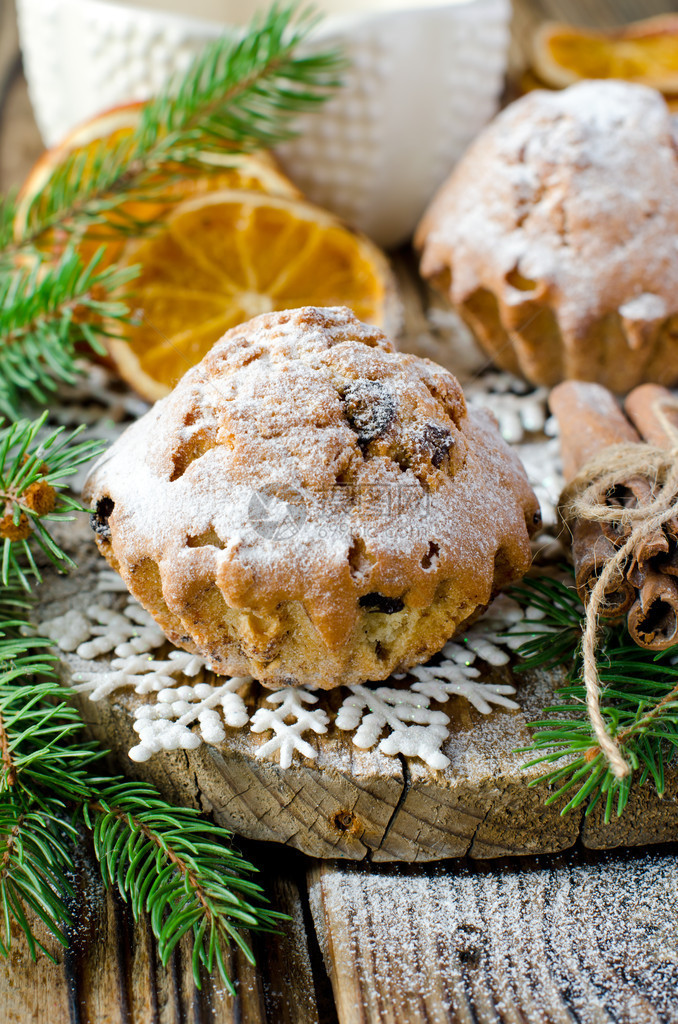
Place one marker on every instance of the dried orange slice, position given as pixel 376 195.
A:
pixel 645 52
pixel 175 183
pixel 219 259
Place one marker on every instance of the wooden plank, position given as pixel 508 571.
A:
pixel 39 992
pixel 578 939
pixel 284 959
pixel 94 963
pixel 114 975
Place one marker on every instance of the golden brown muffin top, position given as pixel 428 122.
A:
pixel 304 459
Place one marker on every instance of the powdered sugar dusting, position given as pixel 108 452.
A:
pixel 644 307
pixel 301 439
pixel 566 203
pixel 593 942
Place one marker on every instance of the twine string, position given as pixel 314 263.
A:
pixel 586 498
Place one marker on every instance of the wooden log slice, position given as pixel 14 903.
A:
pixel 358 804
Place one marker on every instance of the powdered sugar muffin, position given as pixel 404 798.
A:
pixel 311 507
pixel 556 236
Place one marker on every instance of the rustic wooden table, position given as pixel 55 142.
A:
pixel 580 937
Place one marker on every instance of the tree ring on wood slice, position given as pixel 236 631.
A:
pixel 361 804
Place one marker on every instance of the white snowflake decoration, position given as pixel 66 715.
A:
pixel 442 682
pixel 145 673
pixel 288 735
pixel 166 724
pixel 394 709
pixel 99 630
pixel 487 638
pixel 182 715
pixel 520 409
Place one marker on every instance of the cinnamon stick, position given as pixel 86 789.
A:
pixel 654 412
pixel 591 549
pixel 589 419
pixel 653 618
pixel 651 408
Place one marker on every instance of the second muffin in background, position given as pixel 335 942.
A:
pixel 555 237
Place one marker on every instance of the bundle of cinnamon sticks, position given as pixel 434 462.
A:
pixel 591 422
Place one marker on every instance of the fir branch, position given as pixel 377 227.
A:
pixel 186 880
pixel 14 602
pixel 42 731
pixel 46 312
pixel 244 92
pixel 639 702
pixel 33 861
pixel 551 639
pixel 238 94
pixel 168 861
pixel 7 219
pixel 33 472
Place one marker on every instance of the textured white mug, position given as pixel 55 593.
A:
pixel 423 79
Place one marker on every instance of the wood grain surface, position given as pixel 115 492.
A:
pixel 572 940
pixel 453 942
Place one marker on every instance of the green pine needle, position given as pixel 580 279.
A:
pixel 29 460
pixel 7 218
pixel 34 860
pixel 46 314
pixel 186 877
pixel 639 703
pixel 168 861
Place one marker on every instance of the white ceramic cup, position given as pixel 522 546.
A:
pixel 423 79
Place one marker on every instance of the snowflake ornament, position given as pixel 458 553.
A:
pixel 188 705
pixel 487 638
pixel 422 741
pixel 99 630
pixel 288 735
pixel 145 673
pixel 168 723
pixel 393 709
pixel 442 682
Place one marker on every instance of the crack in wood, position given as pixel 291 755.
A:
pixel 396 810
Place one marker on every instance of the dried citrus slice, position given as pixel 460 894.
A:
pixel 225 170
pixel 219 259
pixel 645 52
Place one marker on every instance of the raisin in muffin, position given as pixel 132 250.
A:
pixel 555 237
pixel 309 506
